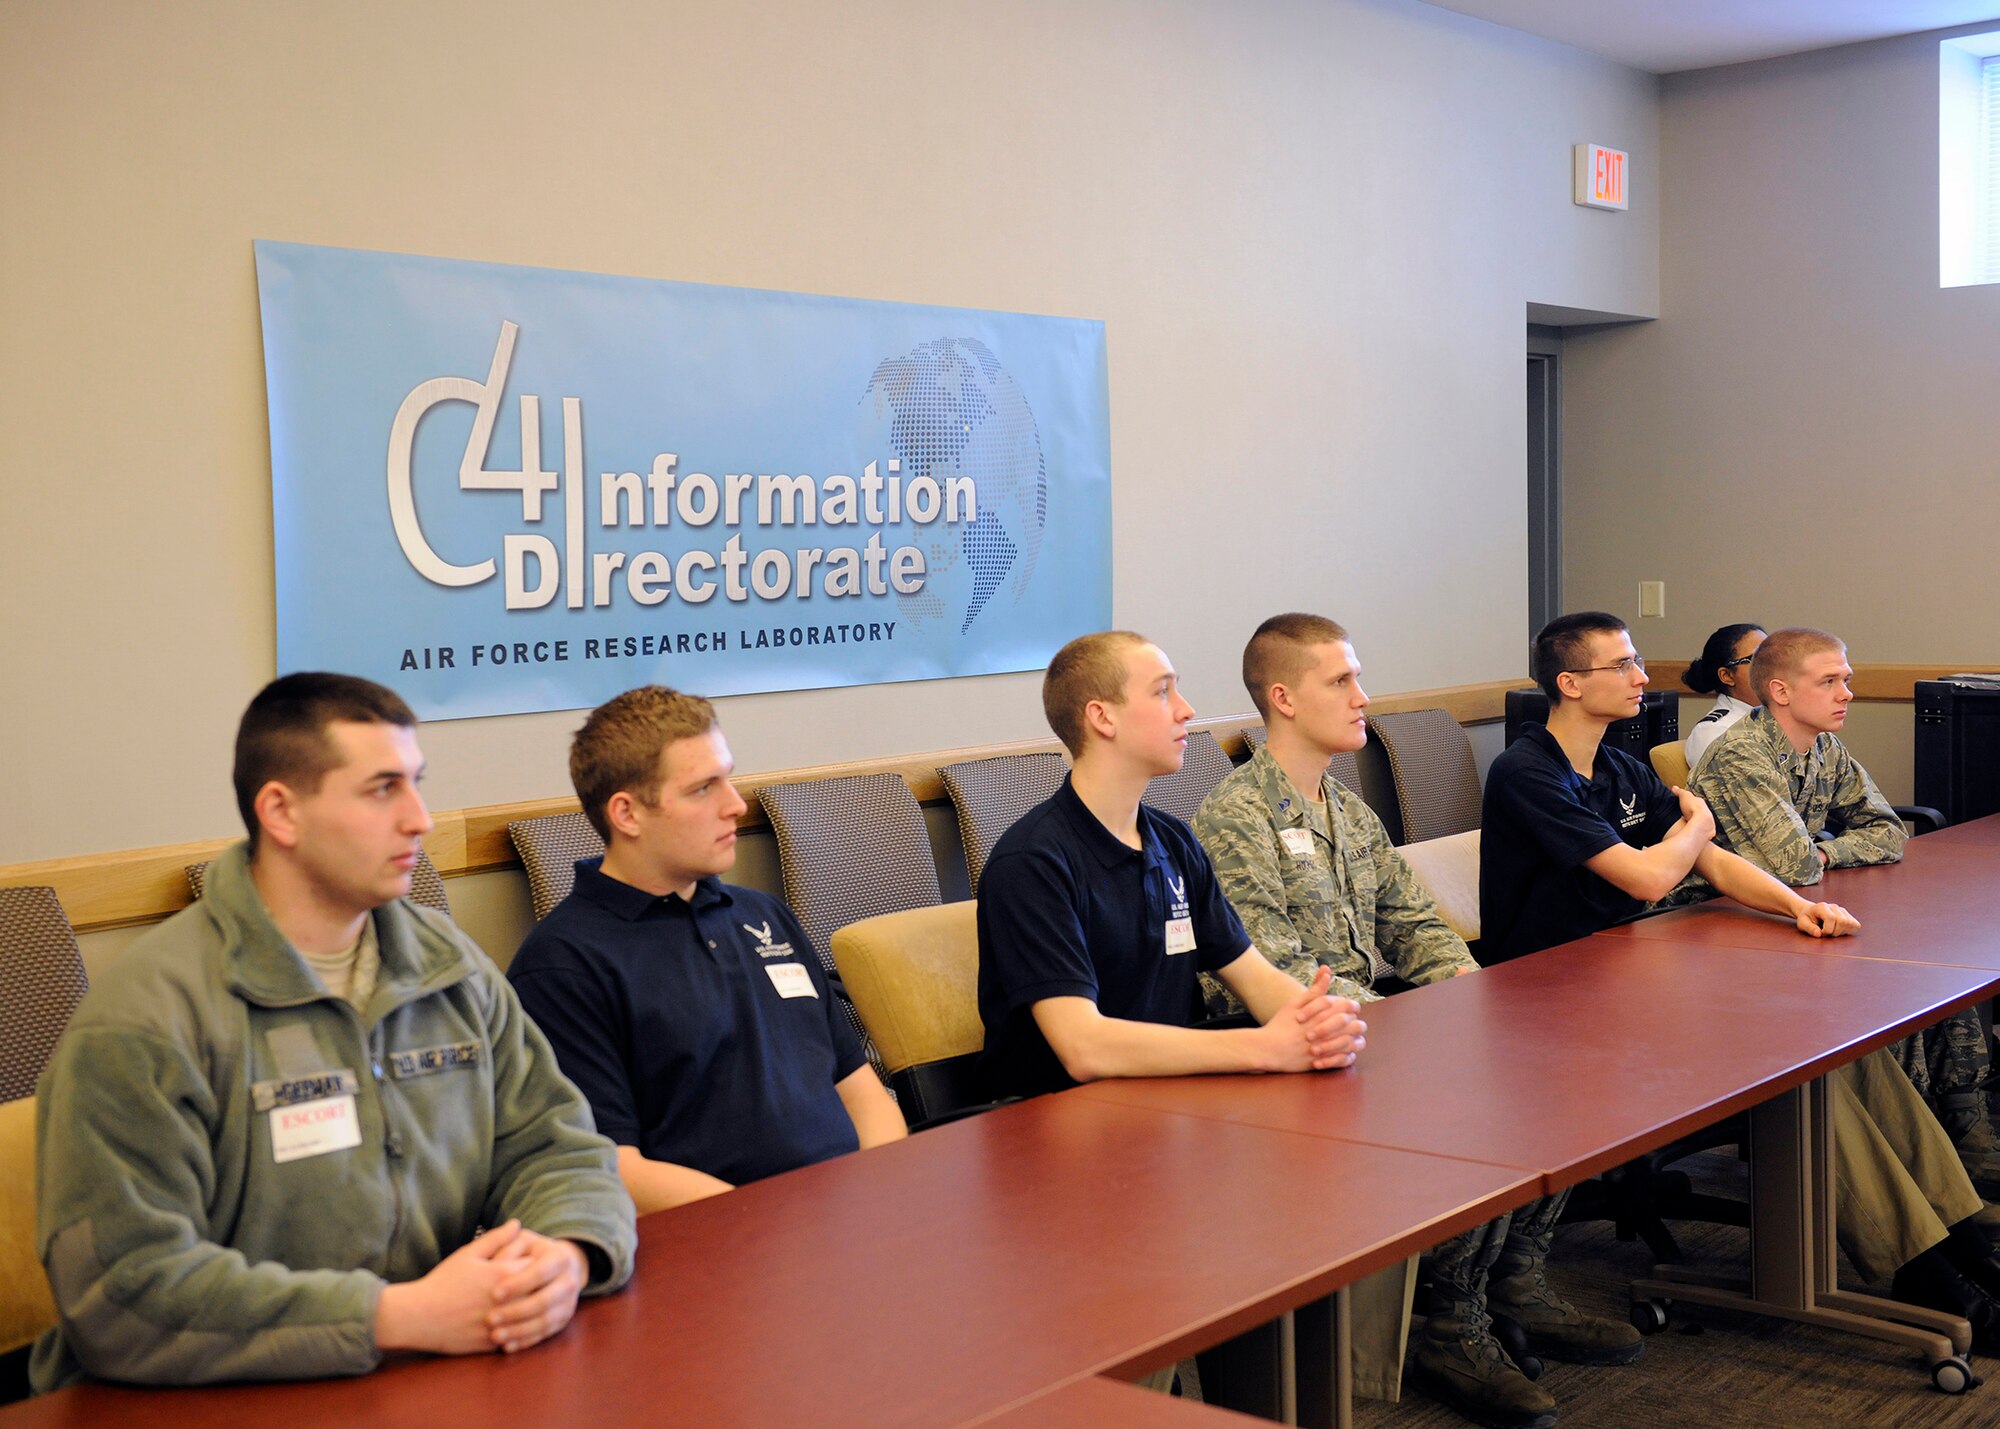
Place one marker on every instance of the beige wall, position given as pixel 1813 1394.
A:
pixel 1310 225
pixel 1805 436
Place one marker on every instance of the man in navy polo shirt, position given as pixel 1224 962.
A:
pixel 1576 836
pixel 692 1014
pixel 1096 912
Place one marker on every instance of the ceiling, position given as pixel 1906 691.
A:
pixel 1668 35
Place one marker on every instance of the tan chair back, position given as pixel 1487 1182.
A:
pixel 1670 762
pixel 41 982
pixel 1449 869
pixel 1203 766
pixel 990 795
pixel 549 848
pixel 914 978
pixel 26 1307
pixel 1437 780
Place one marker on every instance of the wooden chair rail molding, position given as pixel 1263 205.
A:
pixel 1892 684
pixel 132 886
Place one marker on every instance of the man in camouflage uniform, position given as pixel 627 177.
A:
pixel 1788 797
pixel 1312 874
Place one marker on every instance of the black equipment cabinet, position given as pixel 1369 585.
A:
pixel 1958 746
pixel 1658 720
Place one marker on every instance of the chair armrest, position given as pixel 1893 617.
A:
pixel 1922 818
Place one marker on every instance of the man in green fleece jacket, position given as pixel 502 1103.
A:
pixel 272 1134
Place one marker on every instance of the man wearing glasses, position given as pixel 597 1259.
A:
pixel 1576 837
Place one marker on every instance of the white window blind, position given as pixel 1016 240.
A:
pixel 1989 168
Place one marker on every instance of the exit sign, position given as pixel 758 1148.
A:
pixel 1601 176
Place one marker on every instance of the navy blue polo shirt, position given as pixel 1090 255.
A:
pixel 1540 824
pixel 702 1031
pixel 1067 910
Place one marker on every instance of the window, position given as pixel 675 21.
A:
pixel 1968 157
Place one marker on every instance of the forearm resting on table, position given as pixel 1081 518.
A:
pixel 869 1106
pixel 656 1185
pixel 1736 877
pixel 1092 1046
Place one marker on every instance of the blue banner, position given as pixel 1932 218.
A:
pixel 500 489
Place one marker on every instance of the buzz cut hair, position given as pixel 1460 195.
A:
pixel 1278 653
pixel 1783 654
pixel 623 747
pixel 1563 645
pixel 1090 667
pixel 283 736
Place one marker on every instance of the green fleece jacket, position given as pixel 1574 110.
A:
pixel 182 1251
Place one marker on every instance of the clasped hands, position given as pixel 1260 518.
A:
pixel 507 1290
pixel 1317 1032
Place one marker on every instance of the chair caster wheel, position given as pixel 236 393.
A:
pixel 1649 1317
pixel 1953 1376
pixel 1514 1341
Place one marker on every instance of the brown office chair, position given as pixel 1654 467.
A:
pixel 914 978
pixel 26 1307
pixel 991 794
pixel 549 848
pixel 1202 768
pixel 426 883
pixel 1345 766
pixel 41 982
pixel 1670 762
pixel 850 848
pixel 1437 782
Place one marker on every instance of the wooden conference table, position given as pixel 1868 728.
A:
pixel 941 1280
pixel 987 1271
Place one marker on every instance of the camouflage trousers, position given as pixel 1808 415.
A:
pixel 1950 1058
pixel 1950 1064
pixel 1460 1266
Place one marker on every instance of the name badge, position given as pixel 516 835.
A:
pixel 1298 842
pixel 314 1128
pixel 791 980
pixel 1180 935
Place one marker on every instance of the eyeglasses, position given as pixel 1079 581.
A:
pixel 1739 660
pixel 1623 669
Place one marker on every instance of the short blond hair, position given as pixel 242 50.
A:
pixel 623 746
pixel 1090 667
pixel 1276 654
pixel 1783 654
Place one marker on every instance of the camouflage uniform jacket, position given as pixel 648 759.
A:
pixel 1335 905
pixel 1771 802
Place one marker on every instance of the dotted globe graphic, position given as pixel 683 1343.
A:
pixel 951 410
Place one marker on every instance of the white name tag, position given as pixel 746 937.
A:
pixel 1180 935
pixel 314 1128
pixel 1298 842
pixel 791 980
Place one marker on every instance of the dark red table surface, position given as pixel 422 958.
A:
pixel 1984 831
pixel 1576 1059
pixel 1941 904
pixel 957 1274
pixel 994 1267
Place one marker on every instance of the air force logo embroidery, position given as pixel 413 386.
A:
pixel 1178 887
pixel 765 947
pixel 1630 809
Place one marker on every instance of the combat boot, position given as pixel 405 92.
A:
pixel 1457 1362
pixel 1520 1290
